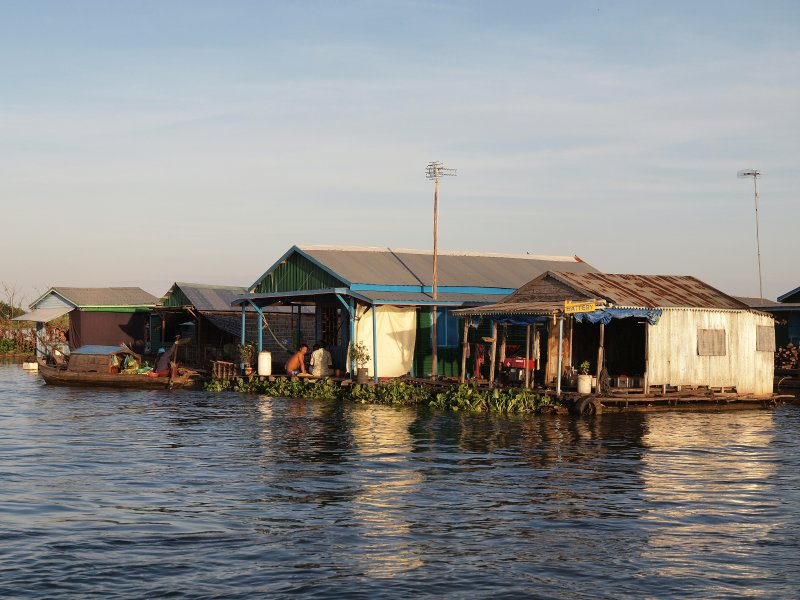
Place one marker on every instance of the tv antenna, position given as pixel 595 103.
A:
pixel 755 174
pixel 433 171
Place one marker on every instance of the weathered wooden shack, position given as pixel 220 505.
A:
pixel 100 316
pixel 382 297
pixel 646 331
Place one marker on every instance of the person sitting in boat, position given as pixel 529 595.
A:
pixel 321 362
pixel 297 362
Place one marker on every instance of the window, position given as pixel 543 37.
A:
pixel 765 338
pixel 711 342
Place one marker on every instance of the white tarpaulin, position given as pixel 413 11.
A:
pixel 397 334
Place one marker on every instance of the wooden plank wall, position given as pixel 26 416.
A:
pixel 673 358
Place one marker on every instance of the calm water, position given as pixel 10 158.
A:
pixel 188 494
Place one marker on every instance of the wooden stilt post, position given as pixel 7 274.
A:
pixel 493 354
pixel 503 344
pixel 528 356
pixel 646 359
pixel 464 350
pixel 600 355
pixel 560 353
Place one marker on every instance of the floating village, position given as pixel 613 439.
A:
pixel 540 330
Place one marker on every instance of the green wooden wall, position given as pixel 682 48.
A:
pixel 177 298
pixel 296 273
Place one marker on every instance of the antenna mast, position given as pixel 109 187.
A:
pixel 433 171
pixel 755 174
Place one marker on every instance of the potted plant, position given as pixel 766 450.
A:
pixel 360 354
pixel 584 379
pixel 246 352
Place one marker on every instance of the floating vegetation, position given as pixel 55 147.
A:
pixel 464 397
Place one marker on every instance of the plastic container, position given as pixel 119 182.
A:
pixel 264 363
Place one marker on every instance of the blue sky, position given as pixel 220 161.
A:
pixel 147 142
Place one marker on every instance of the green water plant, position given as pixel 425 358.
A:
pixel 465 397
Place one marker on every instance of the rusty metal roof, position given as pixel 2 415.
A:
pixel 648 291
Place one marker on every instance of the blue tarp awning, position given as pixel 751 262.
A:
pixel 102 350
pixel 605 315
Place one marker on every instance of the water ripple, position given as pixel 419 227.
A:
pixel 185 495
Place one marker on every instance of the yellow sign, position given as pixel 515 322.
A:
pixel 581 306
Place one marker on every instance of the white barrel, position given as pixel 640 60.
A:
pixel 264 363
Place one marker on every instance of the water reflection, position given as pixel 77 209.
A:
pixel 191 494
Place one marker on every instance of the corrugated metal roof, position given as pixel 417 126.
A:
pixel 514 308
pixel 109 296
pixel 211 297
pixel 388 266
pixel 649 291
pixel 44 315
pixel 788 295
pixel 753 302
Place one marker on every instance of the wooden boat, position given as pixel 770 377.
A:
pixel 100 366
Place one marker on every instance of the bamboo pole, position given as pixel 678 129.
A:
pixel 464 350
pixel 493 353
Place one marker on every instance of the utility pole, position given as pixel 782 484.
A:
pixel 434 170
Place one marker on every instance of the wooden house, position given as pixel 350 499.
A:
pixel 382 297
pixel 647 331
pixel 203 314
pixel 97 316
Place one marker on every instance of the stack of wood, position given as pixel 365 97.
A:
pixel 786 357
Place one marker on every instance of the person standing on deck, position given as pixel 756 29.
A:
pixel 297 363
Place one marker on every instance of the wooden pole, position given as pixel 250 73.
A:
pixel 600 355
pixel 434 341
pixel 493 354
pixel 527 356
pixel 503 344
pixel 560 353
pixel 464 350
pixel 646 358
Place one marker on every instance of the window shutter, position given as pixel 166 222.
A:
pixel 765 338
pixel 711 342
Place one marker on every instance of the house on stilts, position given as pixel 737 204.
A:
pixel 203 315
pixel 97 316
pixel 638 332
pixel 382 297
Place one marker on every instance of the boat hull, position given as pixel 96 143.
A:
pixel 55 376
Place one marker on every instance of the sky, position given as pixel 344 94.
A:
pixel 143 143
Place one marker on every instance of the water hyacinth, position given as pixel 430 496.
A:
pixel 464 397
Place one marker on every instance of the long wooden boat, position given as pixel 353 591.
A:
pixel 99 365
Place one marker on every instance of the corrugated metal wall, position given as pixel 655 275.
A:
pixel 673 359
pixel 296 273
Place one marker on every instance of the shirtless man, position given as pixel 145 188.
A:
pixel 297 364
